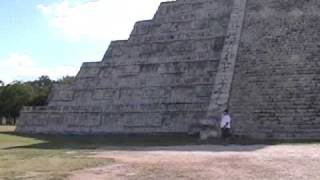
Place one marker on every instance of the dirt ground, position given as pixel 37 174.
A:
pixel 294 162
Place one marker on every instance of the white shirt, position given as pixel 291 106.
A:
pixel 225 121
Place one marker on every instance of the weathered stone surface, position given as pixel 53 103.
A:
pixel 275 93
pixel 178 71
pixel 157 81
pixel 224 77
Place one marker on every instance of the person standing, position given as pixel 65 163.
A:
pixel 225 125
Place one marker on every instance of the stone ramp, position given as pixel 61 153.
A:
pixel 220 96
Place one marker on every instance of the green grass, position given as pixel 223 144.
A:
pixel 37 157
pixel 23 157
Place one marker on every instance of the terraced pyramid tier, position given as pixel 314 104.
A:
pixel 158 81
pixel 178 72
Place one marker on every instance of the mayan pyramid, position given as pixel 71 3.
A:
pixel 180 70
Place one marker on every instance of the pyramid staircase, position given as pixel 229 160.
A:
pixel 174 73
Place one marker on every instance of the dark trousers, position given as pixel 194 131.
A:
pixel 225 133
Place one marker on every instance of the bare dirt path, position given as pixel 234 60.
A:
pixel 294 162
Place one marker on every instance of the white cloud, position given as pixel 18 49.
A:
pixel 99 19
pixel 46 10
pixel 102 20
pixel 22 67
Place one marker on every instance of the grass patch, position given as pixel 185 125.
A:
pixel 24 156
pixel 20 158
pixel 37 165
pixel 54 156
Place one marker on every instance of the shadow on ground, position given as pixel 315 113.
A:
pixel 176 142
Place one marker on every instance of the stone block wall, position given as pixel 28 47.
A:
pixel 159 80
pixel 260 58
pixel 97 120
pixel 275 92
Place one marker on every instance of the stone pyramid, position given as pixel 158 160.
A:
pixel 177 72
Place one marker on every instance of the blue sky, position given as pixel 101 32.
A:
pixel 54 37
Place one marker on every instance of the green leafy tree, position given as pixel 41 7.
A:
pixel 17 94
pixel 41 89
pixel 66 80
pixel 12 98
pixel 1 87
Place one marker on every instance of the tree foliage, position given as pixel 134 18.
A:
pixel 17 94
pixel 41 89
pixel 66 80
pixel 13 97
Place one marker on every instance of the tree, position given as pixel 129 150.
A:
pixel 17 94
pixel 41 89
pixel 12 98
pixel 1 86
pixel 66 80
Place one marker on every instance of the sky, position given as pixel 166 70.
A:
pixel 54 37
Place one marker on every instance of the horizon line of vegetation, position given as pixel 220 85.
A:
pixel 15 95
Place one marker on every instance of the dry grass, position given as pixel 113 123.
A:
pixel 150 157
pixel 30 162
